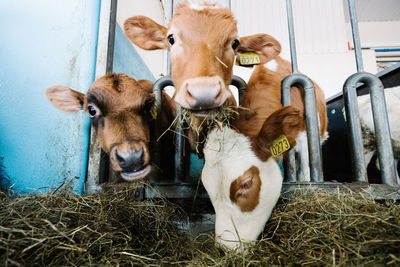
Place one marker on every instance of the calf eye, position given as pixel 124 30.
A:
pixel 92 110
pixel 235 44
pixel 171 39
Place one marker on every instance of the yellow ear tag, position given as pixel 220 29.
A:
pixel 153 113
pixel 248 59
pixel 279 146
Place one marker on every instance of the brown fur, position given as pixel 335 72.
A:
pixel 245 190
pixel 263 97
pixel 288 121
pixel 205 35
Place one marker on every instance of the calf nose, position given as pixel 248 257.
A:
pixel 131 160
pixel 204 93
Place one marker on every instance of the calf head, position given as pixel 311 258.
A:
pixel 119 108
pixel 203 42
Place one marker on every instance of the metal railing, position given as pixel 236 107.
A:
pixel 383 140
pixel 379 112
pixel 314 147
pixel 158 87
pixel 382 132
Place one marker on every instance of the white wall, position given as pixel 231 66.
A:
pixel 378 33
pixel 320 34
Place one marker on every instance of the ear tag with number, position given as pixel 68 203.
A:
pixel 248 59
pixel 153 113
pixel 279 146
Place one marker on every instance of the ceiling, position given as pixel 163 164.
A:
pixel 375 10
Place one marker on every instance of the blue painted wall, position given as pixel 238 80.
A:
pixel 127 60
pixel 43 43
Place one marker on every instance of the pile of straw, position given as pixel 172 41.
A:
pixel 111 228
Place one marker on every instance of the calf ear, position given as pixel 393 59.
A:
pixel 245 190
pixel 287 120
pixel 146 85
pixel 64 98
pixel 266 46
pixel 145 33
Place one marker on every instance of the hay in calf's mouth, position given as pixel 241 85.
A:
pixel 201 125
pixel 314 227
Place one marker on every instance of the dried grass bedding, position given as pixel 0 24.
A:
pixel 313 227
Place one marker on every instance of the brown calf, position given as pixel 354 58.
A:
pixel 119 107
pixel 203 42
pixel 263 97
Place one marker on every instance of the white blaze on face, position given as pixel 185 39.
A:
pixel 195 5
pixel 242 189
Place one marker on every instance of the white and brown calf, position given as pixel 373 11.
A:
pixel 119 107
pixel 242 179
pixel 203 41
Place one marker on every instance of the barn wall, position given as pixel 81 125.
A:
pixel 127 60
pixel 320 32
pixel 44 43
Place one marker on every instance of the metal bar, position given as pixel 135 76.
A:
pixel 97 166
pixel 229 4
pixel 179 147
pixel 240 84
pixel 179 162
pixel 194 191
pixel 171 13
pixel 314 148
pixel 158 87
pixel 379 112
pixel 381 124
pixel 292 41
pixel 354 128
pixel 356 36
pixel 289 162
pixel 111 36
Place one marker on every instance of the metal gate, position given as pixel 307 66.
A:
pixel 388 189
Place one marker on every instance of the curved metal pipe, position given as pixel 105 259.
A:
pixel 381 123
pixel 158 87
pixel 314 148
pixel 240 84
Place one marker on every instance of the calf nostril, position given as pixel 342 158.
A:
pixel 120 159
pixel 140 154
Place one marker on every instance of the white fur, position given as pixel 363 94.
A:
pixel 392 96
pixel 301 149
pixel 228 155
pixel 195 5
pixel 271 65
